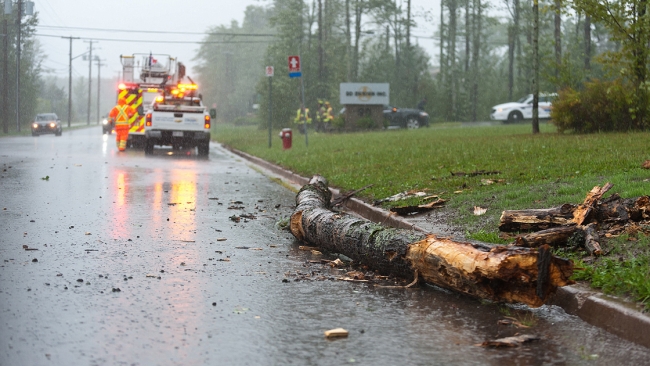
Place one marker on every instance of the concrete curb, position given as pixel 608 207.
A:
pixel 613 315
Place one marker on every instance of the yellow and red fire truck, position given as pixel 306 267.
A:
pixel 157 73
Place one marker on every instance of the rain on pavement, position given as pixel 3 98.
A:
pixel 130 267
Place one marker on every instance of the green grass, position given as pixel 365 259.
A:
pixel 623 271
pixel 536 171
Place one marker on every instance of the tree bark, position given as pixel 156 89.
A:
pixel 451 54
pixel 536 219
pixel 320 41
pixel 495 273
pixel 556 236
pixel 558 39
pixel 475 58
pixel 587 42
pixel 535 66
pixel 511 60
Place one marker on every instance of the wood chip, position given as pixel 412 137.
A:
pixel 303 247
pixel 336 333
pixel 478 211
pixel 336 263
pixel 510 341
pixel 221 239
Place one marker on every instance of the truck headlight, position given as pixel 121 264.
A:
pixel 52 124
pixel 35 125
pixel 424 114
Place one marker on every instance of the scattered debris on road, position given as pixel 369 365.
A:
pixel 336 333
pixel 514 341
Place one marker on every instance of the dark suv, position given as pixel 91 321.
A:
pixel 46 123
pixel 405 117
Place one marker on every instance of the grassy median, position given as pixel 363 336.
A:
pixel 540 171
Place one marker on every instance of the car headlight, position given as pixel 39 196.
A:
pixel 424 114
pixel 52 124
pixel 35 125
pixel 105 122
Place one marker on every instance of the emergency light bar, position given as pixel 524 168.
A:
pixel 187 86
pixel 123 86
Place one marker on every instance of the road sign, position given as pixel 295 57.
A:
pixel 294 64
pixel 269 71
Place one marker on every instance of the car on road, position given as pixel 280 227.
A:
pixel 107 125
pixel 523 108
pixel 46 123
pixel 405 117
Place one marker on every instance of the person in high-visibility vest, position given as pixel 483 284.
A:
pixel 121 114
pixel 299 119
pixel 327 116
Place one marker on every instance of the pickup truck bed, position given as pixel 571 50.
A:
pixel 178 126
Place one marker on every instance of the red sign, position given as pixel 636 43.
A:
pixel 269 71
pixel 294 64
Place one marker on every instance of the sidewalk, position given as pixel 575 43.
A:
pixel 614 315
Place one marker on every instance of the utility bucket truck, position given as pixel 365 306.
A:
pixel 156 72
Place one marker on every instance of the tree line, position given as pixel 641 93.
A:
pixel 485 53
pixel 39 92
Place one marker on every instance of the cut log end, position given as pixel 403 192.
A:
pixel 295 225
pixel 502 274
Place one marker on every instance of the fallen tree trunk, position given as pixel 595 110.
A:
pixel 496 273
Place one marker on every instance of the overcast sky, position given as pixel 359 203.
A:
pixel 63 18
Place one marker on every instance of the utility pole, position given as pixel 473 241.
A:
pixel 70 81
pixel 18 31
pixel 90 80
pixel 5 88
pixel 99 65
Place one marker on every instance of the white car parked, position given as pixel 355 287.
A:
pixel 523 108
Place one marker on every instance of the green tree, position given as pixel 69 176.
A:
pixel 30 71
pixel 230 63
pixel 627 22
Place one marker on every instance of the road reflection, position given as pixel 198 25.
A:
pixel 120 211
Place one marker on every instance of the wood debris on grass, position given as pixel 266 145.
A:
pixel 586 223
pixel 402 196
pixel 475 173
pixel 409 210
pixel 478 211
pixel 646 164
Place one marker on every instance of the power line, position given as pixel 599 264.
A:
pixel 158 32
pixel 153 41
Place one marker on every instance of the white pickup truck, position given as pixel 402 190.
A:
pixel 179 123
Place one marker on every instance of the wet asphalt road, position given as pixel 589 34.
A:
pixel 132 268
